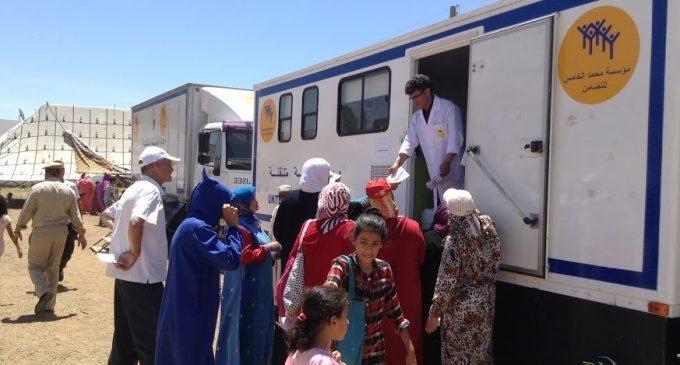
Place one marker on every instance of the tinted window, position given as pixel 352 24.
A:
pixel 364 105
pixel 310 108
pixel 285 117
pixel 239 151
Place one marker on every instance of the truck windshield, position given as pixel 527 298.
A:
pixel 239 151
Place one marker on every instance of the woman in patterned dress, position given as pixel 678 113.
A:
pixel 465 291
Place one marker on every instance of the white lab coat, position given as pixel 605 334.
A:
pixel 442 134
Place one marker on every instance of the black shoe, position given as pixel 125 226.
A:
pixel 42 302
pixel 61 274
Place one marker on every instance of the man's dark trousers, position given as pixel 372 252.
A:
pixel 135 319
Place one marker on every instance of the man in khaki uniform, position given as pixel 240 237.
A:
pixel 51 205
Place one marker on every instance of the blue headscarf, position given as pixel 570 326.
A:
pixel 243 195
pixel 207 199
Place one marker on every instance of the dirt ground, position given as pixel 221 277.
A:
pixel 81 328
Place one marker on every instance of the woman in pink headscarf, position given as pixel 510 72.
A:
pixel 86 189
pixel 323 239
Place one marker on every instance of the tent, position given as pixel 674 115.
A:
pixel 86 139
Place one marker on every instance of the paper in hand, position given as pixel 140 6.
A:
pixel 397 176
pixel 107 257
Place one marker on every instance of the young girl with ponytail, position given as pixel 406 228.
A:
pixel 322 319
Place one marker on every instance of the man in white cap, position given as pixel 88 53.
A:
pixel 139 243
pixel 51 205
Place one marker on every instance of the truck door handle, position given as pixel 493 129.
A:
pixel 530 219
pixel 534 146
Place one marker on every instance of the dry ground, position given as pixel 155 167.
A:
pixel 81 329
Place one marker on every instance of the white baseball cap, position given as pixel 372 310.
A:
pixel 153 154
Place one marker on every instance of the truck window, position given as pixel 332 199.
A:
pixel 239 150
pixel 310 108
pixel 285 117
pixel 364 103
pixel 215 151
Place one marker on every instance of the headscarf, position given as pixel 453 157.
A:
pixel 207 200
pixel 440 222
pixel 316 173
pixel 333 205
pixel 243 196
pixel 379 192
pixel 461 204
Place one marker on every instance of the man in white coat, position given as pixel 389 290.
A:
pixel 437 127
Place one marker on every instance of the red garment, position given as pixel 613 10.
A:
pixel 404 250
pixel 85 187
pixel 319 250
pixel 250 255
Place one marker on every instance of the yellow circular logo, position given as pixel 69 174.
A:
pixel 267 120
pixel 598 55
pixel 441 133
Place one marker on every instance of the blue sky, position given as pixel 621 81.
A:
pixel 123 52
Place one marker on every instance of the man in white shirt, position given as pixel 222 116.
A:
pixel 437 127
pixel 139 243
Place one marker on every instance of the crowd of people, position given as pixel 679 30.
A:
pixel 335 281
pixel 338 298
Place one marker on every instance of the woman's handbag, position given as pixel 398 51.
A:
pixel 350 346
pixel 294 288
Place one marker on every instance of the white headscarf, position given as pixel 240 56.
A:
pixel 316 173
pixel 461 204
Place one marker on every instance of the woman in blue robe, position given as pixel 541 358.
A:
pixel 256 312
pixel 186 324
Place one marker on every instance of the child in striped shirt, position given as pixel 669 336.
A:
pixel 374 285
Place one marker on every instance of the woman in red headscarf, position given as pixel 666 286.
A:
pixel 320 241
pixel 404 250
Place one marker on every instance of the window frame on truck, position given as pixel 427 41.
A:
pixel 305 115
pixel 288 118
pixel 231 166
pixel 362 76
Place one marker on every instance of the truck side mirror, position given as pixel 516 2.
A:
pixel 203 143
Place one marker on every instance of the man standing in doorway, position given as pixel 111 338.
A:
pixel 51 205
pixel 437 127
pixel 140 246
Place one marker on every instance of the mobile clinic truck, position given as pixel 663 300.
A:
pixel 571 113
pixel 204 126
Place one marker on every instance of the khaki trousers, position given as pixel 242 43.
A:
pixel 45 246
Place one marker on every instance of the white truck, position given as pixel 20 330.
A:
pixel 571 113
pixel 205 126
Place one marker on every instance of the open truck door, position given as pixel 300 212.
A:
pixel 507 137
